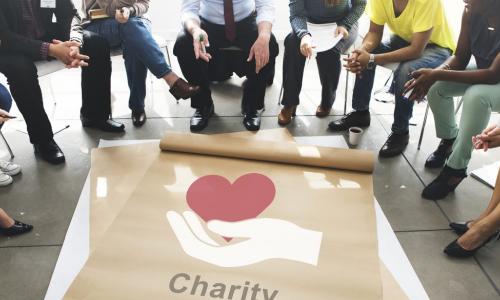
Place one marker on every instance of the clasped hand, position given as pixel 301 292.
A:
pixel 357 61
pixel 68 53
pixel 489 138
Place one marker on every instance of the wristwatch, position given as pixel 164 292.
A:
pixel 371 63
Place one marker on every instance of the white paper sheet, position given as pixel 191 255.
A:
pixel 323 36
pixel 487 174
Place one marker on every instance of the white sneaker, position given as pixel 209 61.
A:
pixel 9 168
pixel 5 179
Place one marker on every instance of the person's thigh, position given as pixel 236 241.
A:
pixel 487 94
pixel 109 29
pixel 432 58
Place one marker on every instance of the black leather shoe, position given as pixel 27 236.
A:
pixel 251 120
pixel 50 152
pixel 438 158
pixel 199 120
pixel 460 227
pixel 139 118
pixel 455 250
pixel 446 182
pixel 16 229
pixel 108 125
pixel 352 119
pixel 395 145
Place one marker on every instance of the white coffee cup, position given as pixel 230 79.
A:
pixel 355 134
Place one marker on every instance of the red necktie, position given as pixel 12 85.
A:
pixel 229 20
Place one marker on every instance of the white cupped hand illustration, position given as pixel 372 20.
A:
pixel 265 239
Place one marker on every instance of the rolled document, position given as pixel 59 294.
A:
pixel 279 152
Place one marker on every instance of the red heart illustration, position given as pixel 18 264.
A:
pixel 213 197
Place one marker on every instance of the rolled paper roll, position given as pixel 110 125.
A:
pixel 279 152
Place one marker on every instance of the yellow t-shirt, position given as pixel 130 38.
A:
pixel 418 16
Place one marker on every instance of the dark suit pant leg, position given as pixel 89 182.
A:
pixel 329 67
pixel 196 71
pixel 293 70
pixel 254 90
pixel 22 77
pixel 96 78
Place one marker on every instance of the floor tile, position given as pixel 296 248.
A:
pixel 26 272
pixel 445 278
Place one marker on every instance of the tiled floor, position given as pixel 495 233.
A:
pixel 46 196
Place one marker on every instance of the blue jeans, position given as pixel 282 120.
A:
pixel 5 100
pixel 432 57
pixel 140 52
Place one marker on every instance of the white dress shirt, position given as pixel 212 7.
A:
pixel 213 10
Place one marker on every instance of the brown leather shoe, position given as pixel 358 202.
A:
pixel 286 115
pixel 183 90
pixel 322 112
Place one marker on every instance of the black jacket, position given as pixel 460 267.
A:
pixel 66 27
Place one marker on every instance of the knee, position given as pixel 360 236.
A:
pixel 402 74
pixel 274 48
pixel 292 41
pixel 95 45
pixel 183 44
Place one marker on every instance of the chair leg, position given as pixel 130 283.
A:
pixel 8 146
pixel 423 127
pixel 460 102
pixel 281 94
pixel 168 56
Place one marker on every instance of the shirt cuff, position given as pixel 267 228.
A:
pixel 265 18
pixel 44 51
pixel 186 16
pixel 302 34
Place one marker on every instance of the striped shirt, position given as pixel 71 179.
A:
pixel 346 13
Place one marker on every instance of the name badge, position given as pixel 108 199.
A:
pixel 48 3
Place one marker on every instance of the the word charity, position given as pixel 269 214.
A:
pixel 183 283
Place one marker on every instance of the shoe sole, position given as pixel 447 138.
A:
pixel 13 172
pixel 6 182
pixel 52 162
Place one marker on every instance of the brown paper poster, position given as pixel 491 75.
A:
pixel 131 262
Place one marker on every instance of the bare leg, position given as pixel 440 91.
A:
pixel 486 225
pixel 5 220
pixel 495 200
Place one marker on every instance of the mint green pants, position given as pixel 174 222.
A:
pixel 479 101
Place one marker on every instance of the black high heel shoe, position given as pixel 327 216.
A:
pixel 460 228
pixel 455 250
pixel 16 229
